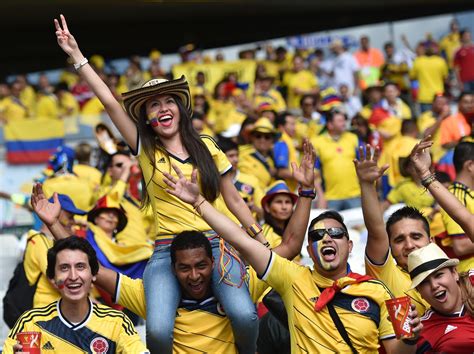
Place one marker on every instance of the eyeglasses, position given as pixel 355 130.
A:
pixel 333 232
pixel 263 136
pixel 118 164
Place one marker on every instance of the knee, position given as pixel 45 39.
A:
pixel 244 317
pixel 159 334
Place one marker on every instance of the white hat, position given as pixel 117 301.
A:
pixel 426 260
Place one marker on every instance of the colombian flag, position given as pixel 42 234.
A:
pixel 33 140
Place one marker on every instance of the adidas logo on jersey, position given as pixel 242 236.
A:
pixel 449 328
pixel 162 160
pixel 47 346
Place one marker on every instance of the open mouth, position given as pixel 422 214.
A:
pixel 74 287
pixel 328 253
pixel 440 295
pixel 166 120
pixel 196 288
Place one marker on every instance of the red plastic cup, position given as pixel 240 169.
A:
pixel 31 342
pixel 398 309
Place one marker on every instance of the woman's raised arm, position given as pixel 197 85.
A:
pixel 114 109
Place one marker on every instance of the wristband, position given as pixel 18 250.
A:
pixel 79 65
pixel 253 230
pixel 311 193
pixel 425 182
pixel 409 341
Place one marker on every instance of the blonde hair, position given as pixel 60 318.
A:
pixel 467 292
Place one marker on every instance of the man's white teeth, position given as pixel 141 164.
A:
pixel 328 250
pixel 74 286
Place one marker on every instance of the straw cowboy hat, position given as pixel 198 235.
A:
pixel 133 100
pixel 264 126
pixel 427 260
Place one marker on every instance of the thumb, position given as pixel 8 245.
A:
pixel 383 169
pixel 293 166
pixel 56 198
pixel 194 176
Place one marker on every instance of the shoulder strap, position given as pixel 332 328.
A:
pixel 340 327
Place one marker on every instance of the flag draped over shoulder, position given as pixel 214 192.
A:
pixel 33 140
pixel 128 260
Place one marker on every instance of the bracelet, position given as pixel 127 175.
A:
pixel 79 65
pixel 425 182
pixel 253 230
pixel 198 207
pixel 311 193
pixel 409 341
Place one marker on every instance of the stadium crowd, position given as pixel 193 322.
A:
pixel 194 218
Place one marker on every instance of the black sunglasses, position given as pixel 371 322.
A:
pixel 264 136
pixel 118 164
pixel 333 232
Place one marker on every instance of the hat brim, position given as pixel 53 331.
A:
pixel 263 130
pixel 422 276
pixel 266 199
pixel 122 217
pixel 134 100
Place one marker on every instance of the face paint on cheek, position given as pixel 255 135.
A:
pixel 154 122
pixel 60 284
pixel 316 248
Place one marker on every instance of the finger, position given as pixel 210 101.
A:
pixel 171 191
pixel 293 167
pixel 376 154
pixel 56 198
pixel 63 21
pixel 361 153
pixel 384 168
pixel 178 171
pixel 194 176
pixel 169 177
pixel 56 25
pixel 169 183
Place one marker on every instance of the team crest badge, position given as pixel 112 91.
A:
pixel 360 305
pixel 246 188
pixel 99 345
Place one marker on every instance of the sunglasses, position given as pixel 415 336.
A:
pixel 264 136
pixel 118 164
pixel 333 232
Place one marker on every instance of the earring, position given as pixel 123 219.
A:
pixel 147 122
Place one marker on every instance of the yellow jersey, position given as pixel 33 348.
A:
pixel 13 109
pixel 306 128
pixel 28 97
pixel 68 105
pixel 200 326
pixel 249 188
pixel 35 263
pixel 397 280
pixel 47 106
pixel 172 215
pixel 430 71
pixel 104 330
pixel 90 174
pixel 315 332
pixel 466 197
pixel 303 80
pixel 272 96
pixel 412 194
pixel 335 160
pixel 449 44
pixel 77 189
pixel 254 163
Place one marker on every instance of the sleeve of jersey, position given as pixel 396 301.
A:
pixel 280 273
pixel 384 272
pixel 281 155
pixel 451 226
pixel 130 293
pixel 35 259
pixel 256 286
pixel 222 163
pixel 129 341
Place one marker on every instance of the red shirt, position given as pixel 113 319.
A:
pixel 446 334
pixel 464 60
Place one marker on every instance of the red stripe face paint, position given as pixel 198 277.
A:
pixel 60 284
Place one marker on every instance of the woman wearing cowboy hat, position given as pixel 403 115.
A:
pixel 448 326
pixel 156 124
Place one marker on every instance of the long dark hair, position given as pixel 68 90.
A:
pixel 199 154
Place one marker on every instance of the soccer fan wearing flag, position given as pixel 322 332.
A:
pixel 74 324
pixel 388 246
pixel 329 308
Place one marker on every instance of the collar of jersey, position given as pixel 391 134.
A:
pixel 459 313
pixel 69 324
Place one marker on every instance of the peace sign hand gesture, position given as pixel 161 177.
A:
pixel 65 39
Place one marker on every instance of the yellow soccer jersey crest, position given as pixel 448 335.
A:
pixel 172 215
pixel 104 330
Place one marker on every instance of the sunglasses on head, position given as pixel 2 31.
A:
pixel 333 232
pixel 264 136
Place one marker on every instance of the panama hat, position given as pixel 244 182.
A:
pixel 133 100
pixel 276 188
pixel 108 202
pixel 264 126
pixel 427 260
